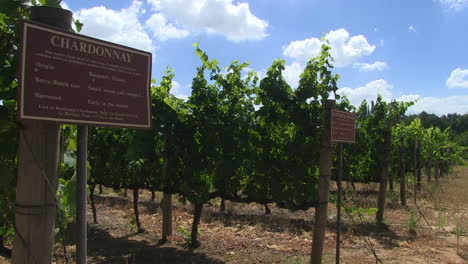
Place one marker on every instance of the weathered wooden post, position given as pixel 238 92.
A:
pixel 166 203
pixel 418 165
pixel 321 211
pixel 387 145
pixel 37 171
pixel 402 173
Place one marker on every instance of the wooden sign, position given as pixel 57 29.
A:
pixel 70 78
pixel 342 126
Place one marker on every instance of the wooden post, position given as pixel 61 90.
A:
pixel 384 173
pixel 415 166
pixel 167 197
pixel 402 174
pixel 167 216
pixel 321 211
pixel 37 172
pixel 418 165
pixel 338 204
pixel 81 179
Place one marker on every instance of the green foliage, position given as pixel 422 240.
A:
pixel 412 223
pixel 360 210
pixel 363 160
pixel 441 218
pixel 132 224
pixel 456 122
pixel 435 144
pixel 187 235
pixel 66 195
pixel 78 25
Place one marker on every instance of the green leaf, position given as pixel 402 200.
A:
pixel 72 141
pixel 78 25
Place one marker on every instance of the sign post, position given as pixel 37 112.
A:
pixel 81 201
pixel 70 78
pixel 342 130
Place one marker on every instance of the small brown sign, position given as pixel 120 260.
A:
pixel 342 126
pixel 70 78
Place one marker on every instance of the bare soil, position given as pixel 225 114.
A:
pixel 244 234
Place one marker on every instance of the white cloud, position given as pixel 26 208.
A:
pixel 178 92
pixel 369 92
pixel 412 28
pixel 292 74
pixel 458 79
pixel 441 105
pixel 345 49
pixel 175 87
pixel 409 98
pixel 233 20
pixel 376 66
pixel 182 96
pixel 434 105
pixel 456 5
pixel 260 73
pixel 162 30
pixel 64 5
pixel 121 26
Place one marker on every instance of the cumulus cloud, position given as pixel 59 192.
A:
pixel 345 49
pixel 178 91
pixel 119 26
pixel 433 105
pixel 369 92
pixel 292 74
pixel 175 87
pixel 376 66
pixel 233 20
pixel 458 79
pixel 441 105
pixel 456 5
pixel 260 73
pixel 162 30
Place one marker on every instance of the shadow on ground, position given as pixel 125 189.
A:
pixel 381 232
pixel 103 248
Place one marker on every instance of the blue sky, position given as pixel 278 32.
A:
pixel 402 49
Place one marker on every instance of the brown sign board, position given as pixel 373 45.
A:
pixel 70 78
pixel 342 126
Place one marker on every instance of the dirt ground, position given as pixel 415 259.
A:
pixel 244 234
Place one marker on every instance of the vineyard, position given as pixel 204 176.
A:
pixel 234 174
